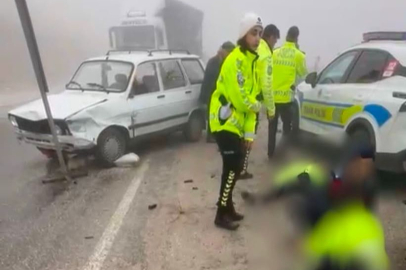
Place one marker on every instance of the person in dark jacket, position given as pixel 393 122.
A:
pixel 210 79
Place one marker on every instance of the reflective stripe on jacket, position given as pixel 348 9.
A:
pixel 289 65
pixel 265 76
pixel 233 104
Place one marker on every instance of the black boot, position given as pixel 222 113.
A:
pixel 232 214
pixel 223 220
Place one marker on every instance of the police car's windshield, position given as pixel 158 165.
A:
pixel 107 76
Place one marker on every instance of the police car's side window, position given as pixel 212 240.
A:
pixel 334 73
pixel 369 67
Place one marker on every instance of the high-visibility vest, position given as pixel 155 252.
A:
pixel 289 65
pixel 233 106
pixel 265 76
pixel 346 235
pixel 289 174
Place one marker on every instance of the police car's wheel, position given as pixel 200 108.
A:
pixel 194 128
pixel 362 135
pixel 111 145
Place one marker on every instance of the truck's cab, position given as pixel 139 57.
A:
pixel 139 32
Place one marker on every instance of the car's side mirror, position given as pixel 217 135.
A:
pixel 312 79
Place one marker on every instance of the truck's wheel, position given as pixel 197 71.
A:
pixel 111 145
pixel 194 128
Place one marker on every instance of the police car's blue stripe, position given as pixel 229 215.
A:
pixel 328 103
pixel 322 122
pixel 380 113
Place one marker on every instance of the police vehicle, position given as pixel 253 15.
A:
pixel 363 93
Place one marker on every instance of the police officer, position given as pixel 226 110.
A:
pixel 288 66
pixel 349 236
pixel 233 109
pixel 265 50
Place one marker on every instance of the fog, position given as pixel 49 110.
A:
pixel 70 31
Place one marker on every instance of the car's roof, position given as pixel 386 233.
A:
pixel 396 48
pixel 139 57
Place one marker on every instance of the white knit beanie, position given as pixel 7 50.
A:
pixel 249 21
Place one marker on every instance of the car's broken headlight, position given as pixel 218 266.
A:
pixel 13 120
pixel 77 126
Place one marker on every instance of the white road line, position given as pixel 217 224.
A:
pixel 106 241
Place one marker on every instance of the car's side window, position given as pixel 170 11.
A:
pixel 369 67
pixel 336 71
pixel 171 74
pixel 146 79
pixel 194 71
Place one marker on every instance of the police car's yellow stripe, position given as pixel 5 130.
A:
pixel 329 113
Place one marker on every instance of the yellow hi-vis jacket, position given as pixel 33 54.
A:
pixel 265 76
pixel 289 64
pixel 346 235
pixel 289 173
pixel 233 106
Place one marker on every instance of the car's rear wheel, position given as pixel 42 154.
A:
pixel 111 145
pixel 194 128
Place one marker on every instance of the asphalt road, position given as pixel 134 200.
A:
pixel 103 222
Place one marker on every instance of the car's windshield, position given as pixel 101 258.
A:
pixel 136 37
pixel 107 76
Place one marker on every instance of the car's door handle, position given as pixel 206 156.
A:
pixel 188 92
pixel 161 96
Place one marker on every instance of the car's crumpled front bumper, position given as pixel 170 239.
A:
pixel 45 141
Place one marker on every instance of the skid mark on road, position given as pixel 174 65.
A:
pixel 106 241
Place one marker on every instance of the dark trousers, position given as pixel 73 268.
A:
pixel 285 111
pixel 232 154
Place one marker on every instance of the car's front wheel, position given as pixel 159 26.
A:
pixel 111 145
pixel 194 128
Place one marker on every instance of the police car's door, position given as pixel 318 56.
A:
pixel 356 91
pixel 317 112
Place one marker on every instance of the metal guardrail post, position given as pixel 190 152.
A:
pixel 40 75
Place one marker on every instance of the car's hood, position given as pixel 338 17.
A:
pixel 62 105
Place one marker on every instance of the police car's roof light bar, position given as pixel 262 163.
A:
pixel 398 36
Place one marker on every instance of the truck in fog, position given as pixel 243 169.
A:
pixel 174 26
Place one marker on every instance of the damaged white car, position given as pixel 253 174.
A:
pixel 116 98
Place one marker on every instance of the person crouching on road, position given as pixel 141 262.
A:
pixel 270 37
pixel 289 64
pixel 232 106
pixel 211 75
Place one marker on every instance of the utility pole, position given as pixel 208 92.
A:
pixel 30 38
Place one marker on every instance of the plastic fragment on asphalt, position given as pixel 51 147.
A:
pixel 129 160
pixel 152 206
